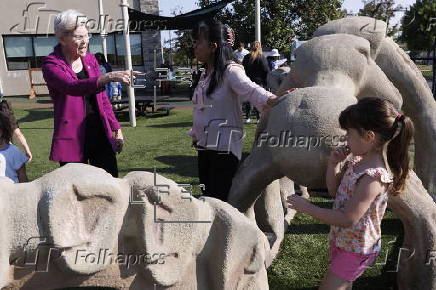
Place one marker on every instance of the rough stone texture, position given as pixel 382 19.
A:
pixel 418 101
pixel 334 70
pixel 417 211
pixel 276 77
pixel 206 244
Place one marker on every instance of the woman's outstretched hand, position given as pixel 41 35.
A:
pixel 117 76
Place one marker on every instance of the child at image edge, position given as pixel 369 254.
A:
pixel 12 161
pixel 376 162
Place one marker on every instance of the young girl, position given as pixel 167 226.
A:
pixel 17 135
pixel 12 161
pixel 378 138
pixel 217 122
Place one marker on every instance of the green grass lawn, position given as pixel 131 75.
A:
pixel 427 71
pixel 163 143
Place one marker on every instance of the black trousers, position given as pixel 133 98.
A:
pixel 98 150
pixel 216 170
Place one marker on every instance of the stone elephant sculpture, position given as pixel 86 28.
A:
pixel 332 70
pixel 418 100
pixel 126 234
pixel 68 211
pixel 208 243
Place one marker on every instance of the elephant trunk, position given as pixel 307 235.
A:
pixel 418 103
pixel 254 174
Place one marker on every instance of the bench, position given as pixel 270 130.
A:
pixel 142 103
pixel 36 80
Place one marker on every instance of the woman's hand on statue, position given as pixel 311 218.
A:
pixel 282 93
pixel 272 100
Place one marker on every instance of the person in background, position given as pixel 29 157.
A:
pixel 240 53
pixel 217 98
pixel 12 161
pixel 273 58
pixel 113 89
pixel 105 67
pixel 256 68
pixel 17 135
pixel 165 86
pixel 85 127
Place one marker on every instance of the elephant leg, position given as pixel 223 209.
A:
pixel 270 216
pixel 287 189
pixel 252 177
pixel 4 266
pixel 417 257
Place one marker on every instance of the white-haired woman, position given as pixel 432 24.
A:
pixel 85 127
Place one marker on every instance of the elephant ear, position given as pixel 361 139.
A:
pixel 168 227
pixel 82 208
pixel 240 251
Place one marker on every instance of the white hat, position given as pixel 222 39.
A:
pixel 275 52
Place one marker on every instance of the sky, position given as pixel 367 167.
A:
pixel 167 6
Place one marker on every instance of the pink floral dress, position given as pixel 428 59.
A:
pixel 365 236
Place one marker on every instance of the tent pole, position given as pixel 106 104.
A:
pixel 128 61
pixel 102 28
pixel 257 21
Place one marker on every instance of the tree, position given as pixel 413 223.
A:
pixel 383 10
pixel 181 47
pixel 281 20
pixel 419 26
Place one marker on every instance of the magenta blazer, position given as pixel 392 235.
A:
pixel 67 93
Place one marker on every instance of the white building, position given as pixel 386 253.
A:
pixel 26 29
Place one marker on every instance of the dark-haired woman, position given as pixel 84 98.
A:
pixel 217 131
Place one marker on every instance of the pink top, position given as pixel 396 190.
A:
pixel 365 236
pixel 217 119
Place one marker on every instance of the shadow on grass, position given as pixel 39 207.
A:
pixel 172 125
pixel 44 101
pixel 388 226
pixel 123 116
pixel 34 115
pixel 183 165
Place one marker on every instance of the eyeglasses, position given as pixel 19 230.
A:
pixel 82 37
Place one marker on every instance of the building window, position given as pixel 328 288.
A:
pixel 24 52
pixel 18 51
pixel 115 48
pixel 135 48
pixel 43 47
